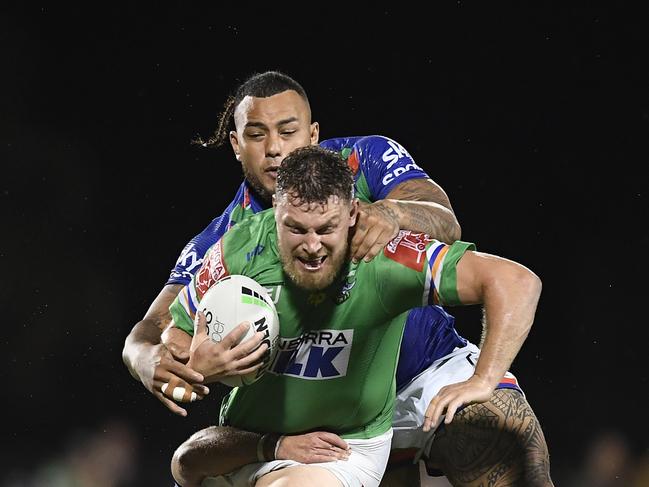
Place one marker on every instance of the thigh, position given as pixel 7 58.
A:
pixel 496 443
pixel 299 476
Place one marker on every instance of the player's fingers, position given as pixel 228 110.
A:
pixel 360 230
pixel 200 390
pixel 374 250
pixel 431 416
pixel 438 412
pixel 179 391
pixel 369 240
pixel 387 234
pixel 182 371
pixel 319 457
pixel 232 339
pixel 179 353
pixel 171 405
pixel 451 409
pixel 250 369
pixel 200 323
pixel 339 453
pixel 329 450
pixel 332 439
pixel 248 346
pixel 253 360
pixel 200 331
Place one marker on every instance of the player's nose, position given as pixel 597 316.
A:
pixel 312 243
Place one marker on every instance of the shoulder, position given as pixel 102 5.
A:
pixel 238 250
pixel 257 227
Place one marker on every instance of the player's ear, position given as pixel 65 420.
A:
pixel 234 142
pixel 353 213
pixel 315 133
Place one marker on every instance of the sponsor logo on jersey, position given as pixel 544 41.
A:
pixel 213 269
pixel 408 249
pixel 316 355
pixel 393 155
pixel 187 263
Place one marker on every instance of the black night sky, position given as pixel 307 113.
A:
pixel 534 120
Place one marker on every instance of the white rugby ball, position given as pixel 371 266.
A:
pixel 238 298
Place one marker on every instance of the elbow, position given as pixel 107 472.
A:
pixel 455 231
pixel 530 286
pixel 193 460
pixel 534 285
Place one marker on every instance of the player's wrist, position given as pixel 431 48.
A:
pixel 267 447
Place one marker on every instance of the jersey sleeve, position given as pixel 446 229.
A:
pixel 421 271
pixel 381 163
pixel 214 267
pixel 191 257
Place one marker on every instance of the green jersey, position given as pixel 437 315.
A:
pixel 338 349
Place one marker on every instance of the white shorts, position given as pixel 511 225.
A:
pixel 414 398
pixel 364 467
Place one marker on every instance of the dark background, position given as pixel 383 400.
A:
pixel 534 120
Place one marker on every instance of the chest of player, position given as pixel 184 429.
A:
pixel 320 332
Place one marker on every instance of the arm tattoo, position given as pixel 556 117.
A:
pixel 388 212
pixel 496 443
pixel 424 207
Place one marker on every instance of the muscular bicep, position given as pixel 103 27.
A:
pixel 158 312
pixel 421 189
pixel 482 276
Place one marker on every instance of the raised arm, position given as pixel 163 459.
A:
pixel 509 293
pixel 420 205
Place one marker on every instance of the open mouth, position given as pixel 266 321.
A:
pixel 312 264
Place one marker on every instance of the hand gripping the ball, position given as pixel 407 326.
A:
pixel 227 357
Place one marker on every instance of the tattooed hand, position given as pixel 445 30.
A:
pixel 376 225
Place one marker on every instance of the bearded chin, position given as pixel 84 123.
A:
pixel 312 282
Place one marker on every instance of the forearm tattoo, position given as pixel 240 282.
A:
pixel 431 220
pixel 386 211
pixel 415 214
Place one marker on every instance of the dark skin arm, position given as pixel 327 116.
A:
pixel 218 450
pixel 150 361
pixel 420 205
